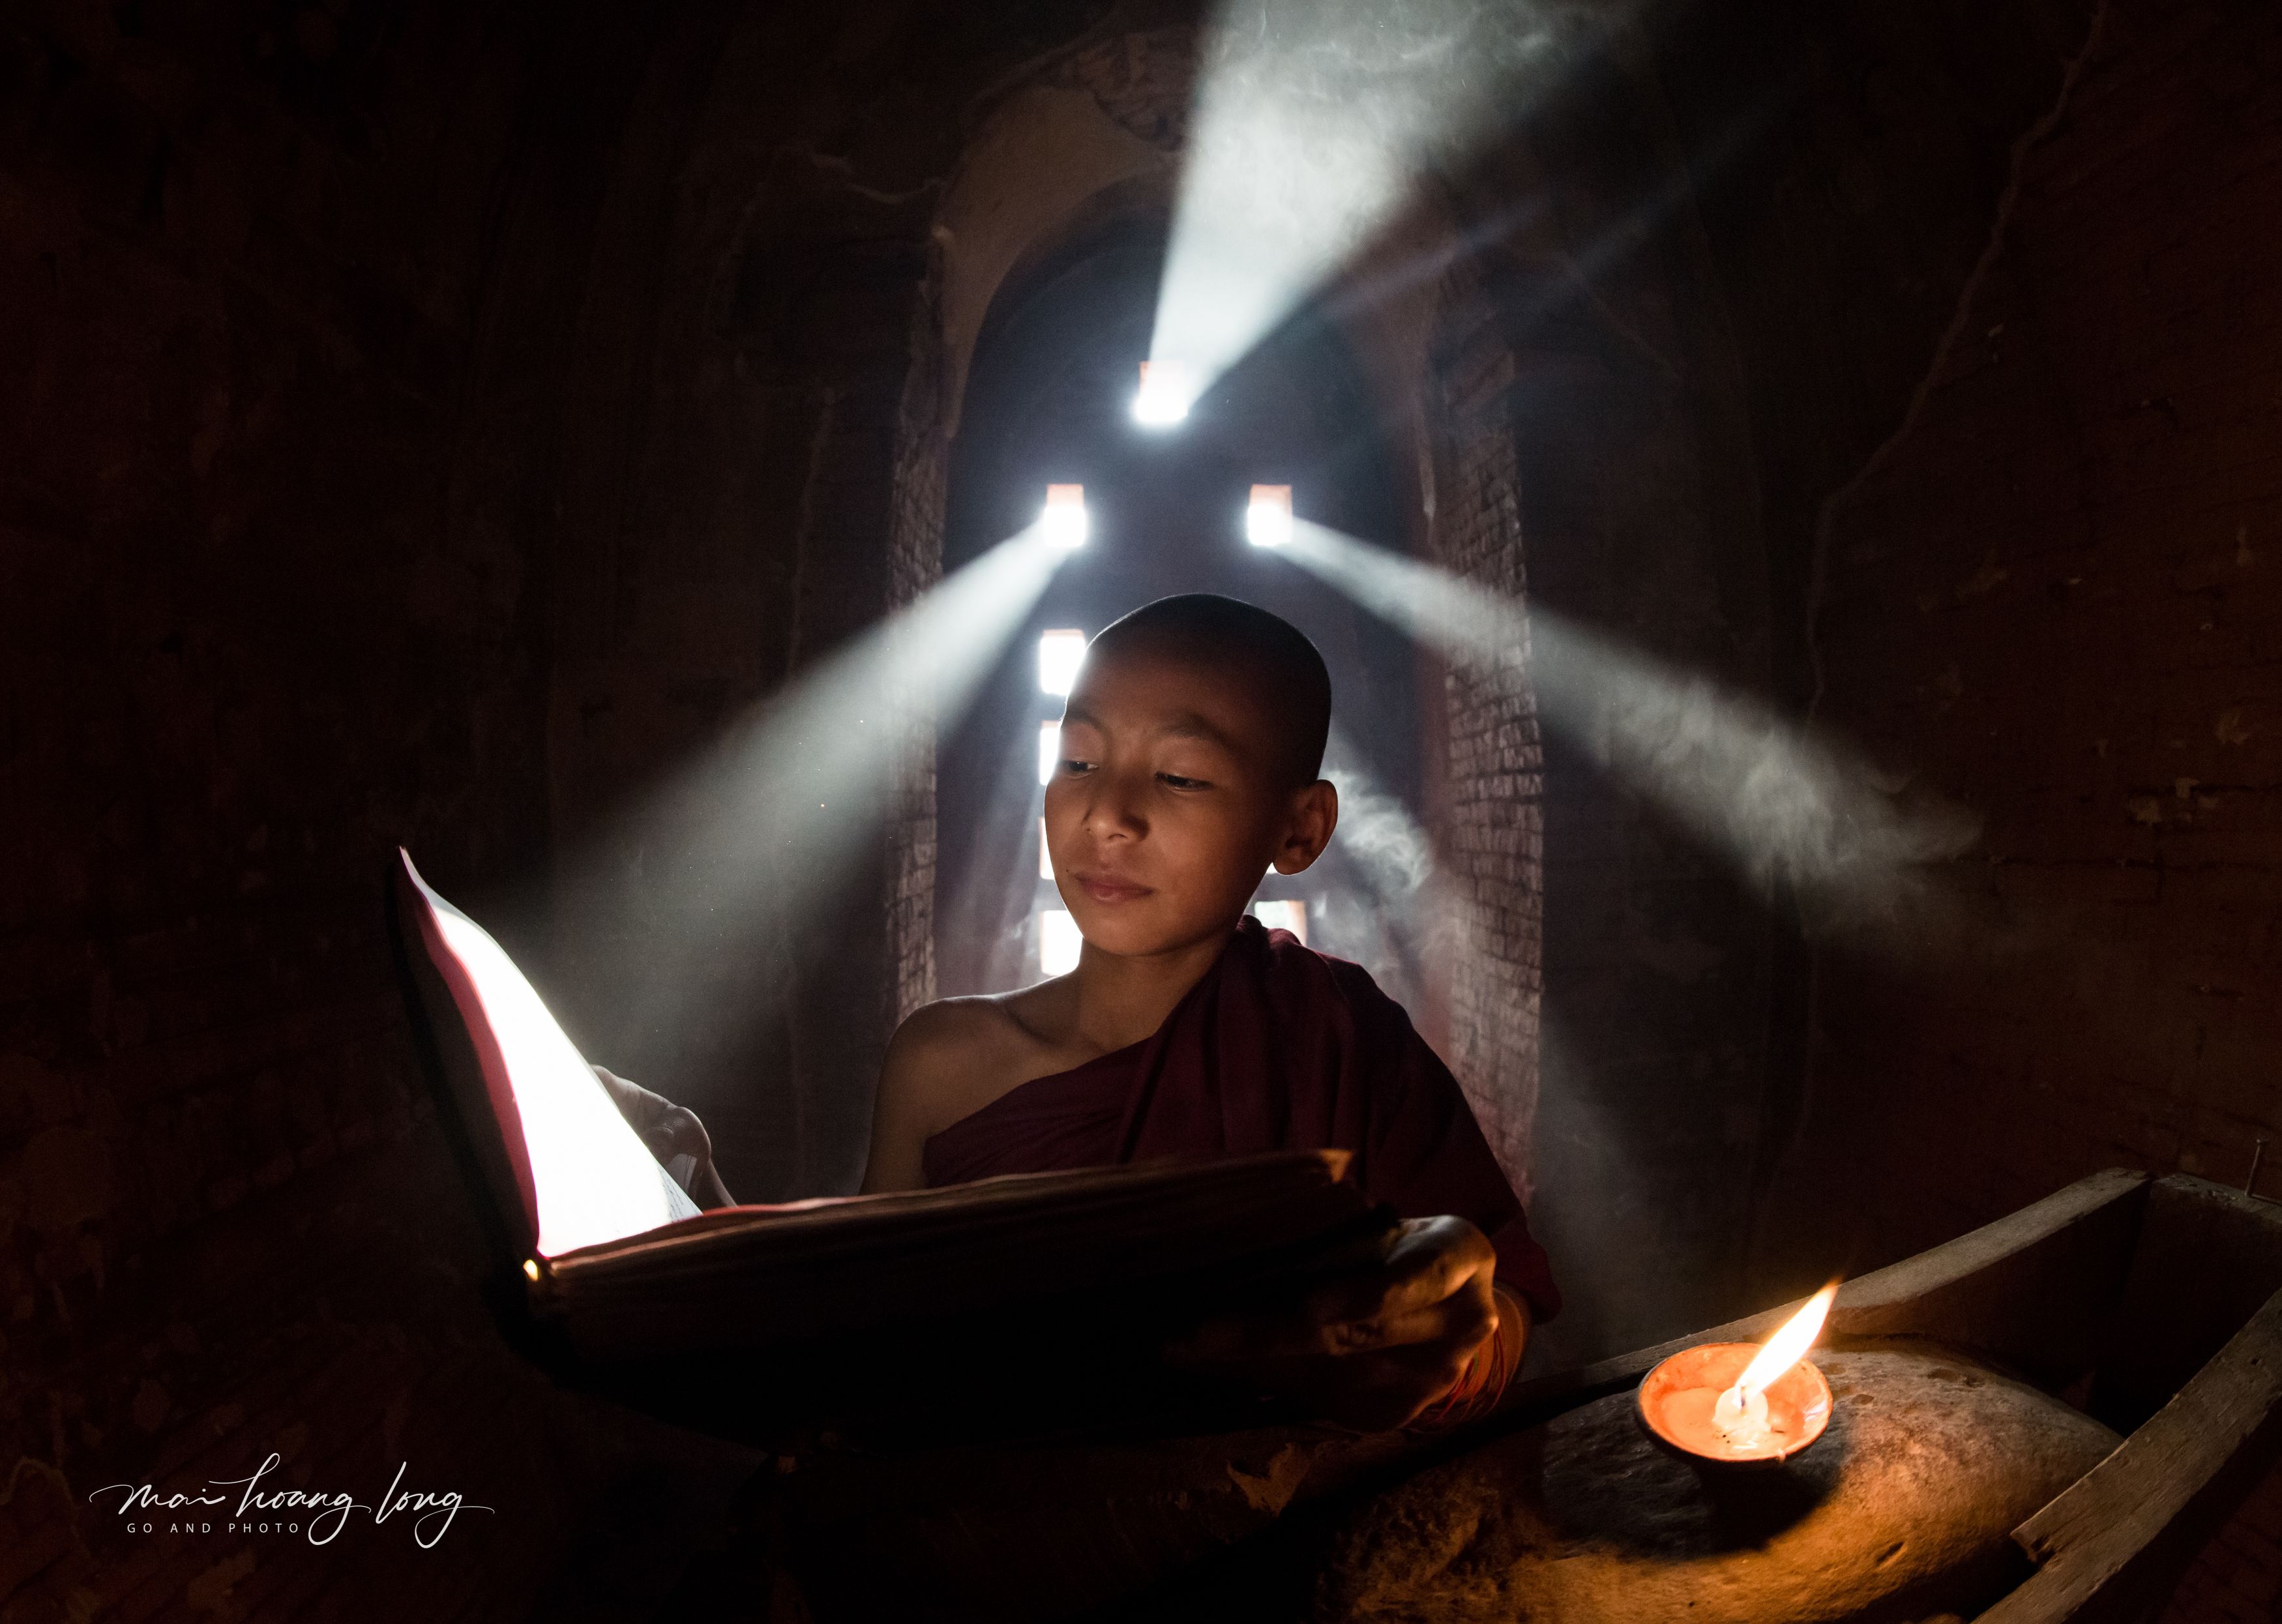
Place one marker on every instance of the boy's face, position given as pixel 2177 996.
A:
pixel 1171 800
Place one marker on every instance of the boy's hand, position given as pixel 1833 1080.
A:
pixel 1371 1349
pixel 669 1131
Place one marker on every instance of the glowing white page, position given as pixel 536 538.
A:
pixel 595 1179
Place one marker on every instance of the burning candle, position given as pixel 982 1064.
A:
pixel 1729 1400
pixel 1740 1412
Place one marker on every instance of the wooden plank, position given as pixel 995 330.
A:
pixel 2112 1540
pixel 2032 1289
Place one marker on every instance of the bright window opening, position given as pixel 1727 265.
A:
pixel 1165 394
pixel 1059 654
pixel 1284 915
pixel 1057 941
pixel 1268 520
pixel 1064 518
pixel 1050 752
pixel 1045 857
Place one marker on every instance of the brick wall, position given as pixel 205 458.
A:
pixel 1490 846
pixel 2054 596
pixel 915 563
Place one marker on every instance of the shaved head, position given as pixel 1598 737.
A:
pixel 1239 642
pixel 1191 750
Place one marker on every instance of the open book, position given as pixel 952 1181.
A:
pixel 617 1263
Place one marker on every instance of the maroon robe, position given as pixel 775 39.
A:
pixel 1277 1048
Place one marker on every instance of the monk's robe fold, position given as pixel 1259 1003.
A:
pixel 1277 1048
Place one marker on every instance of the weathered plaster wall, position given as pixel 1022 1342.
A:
pixel 2045 596
pixel 2007 283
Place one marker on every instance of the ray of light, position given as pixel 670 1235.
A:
pixel 1787 805
pixel 761 836
pixel 1312 123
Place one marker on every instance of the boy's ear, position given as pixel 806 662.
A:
pixel 1314 815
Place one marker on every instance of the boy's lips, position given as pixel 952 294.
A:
pixel 1109 888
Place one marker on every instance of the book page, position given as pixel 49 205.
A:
pixel 594 1179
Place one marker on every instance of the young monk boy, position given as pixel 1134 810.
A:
pixel 1191 746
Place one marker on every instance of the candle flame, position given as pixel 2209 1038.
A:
pixel 1789 1344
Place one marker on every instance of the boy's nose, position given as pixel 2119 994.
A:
pixel 1114 808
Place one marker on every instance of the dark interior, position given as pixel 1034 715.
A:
pixel 439 424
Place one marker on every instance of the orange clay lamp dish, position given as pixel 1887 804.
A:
pixel 1732 1402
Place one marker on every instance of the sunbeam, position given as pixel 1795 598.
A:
pixel 1314 120
pixel 1790 808
pixel 761 834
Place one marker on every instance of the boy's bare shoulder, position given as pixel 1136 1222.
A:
pixel 956 1055
pixel 948 1058
pixel 957 1029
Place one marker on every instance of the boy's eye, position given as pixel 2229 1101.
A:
pixel 1173 780
pixel 1073 765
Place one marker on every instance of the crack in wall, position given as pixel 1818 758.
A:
pixel 1993 251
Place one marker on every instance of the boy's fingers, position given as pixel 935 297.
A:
pixel 1432 1259
pixel 677 1130
pixel 1373 1392
pixel 1433 1286
pixel 1465 1319
pixel 1406 1384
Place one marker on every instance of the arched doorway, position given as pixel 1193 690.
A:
pixel 1047 401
